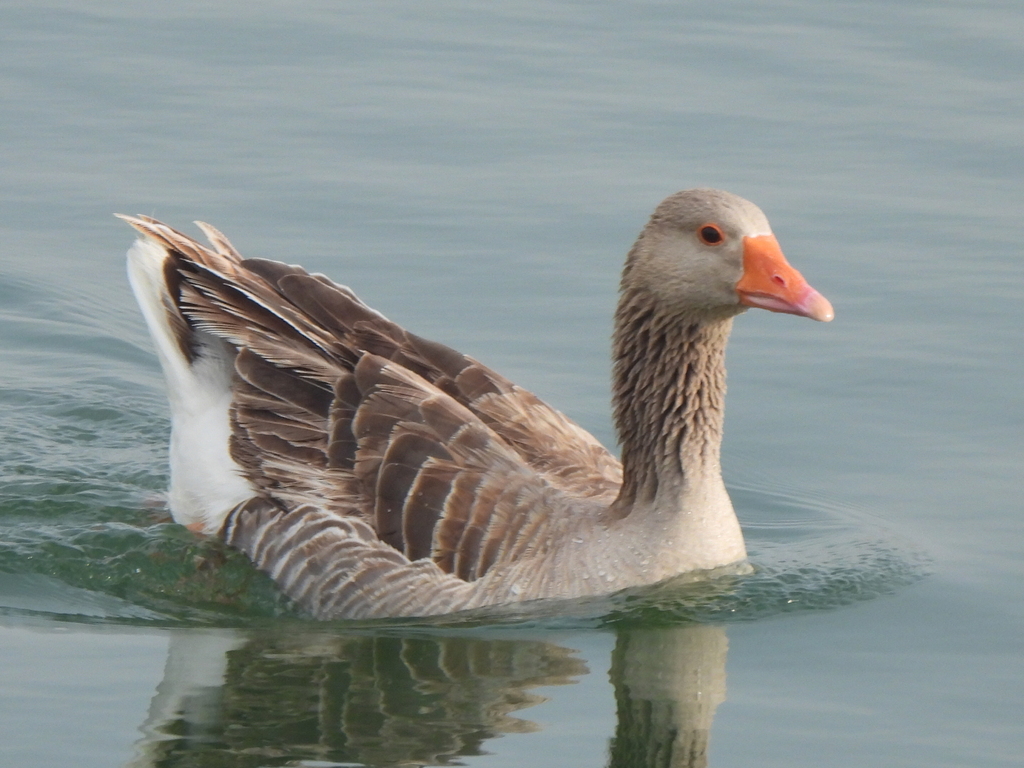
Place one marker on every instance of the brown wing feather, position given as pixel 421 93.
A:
pixel 444 484
pixel 342 327
pixel 441 456
pixel 548 440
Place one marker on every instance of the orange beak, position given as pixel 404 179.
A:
pixel 770 283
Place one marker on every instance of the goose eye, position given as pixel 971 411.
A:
pixel 711 234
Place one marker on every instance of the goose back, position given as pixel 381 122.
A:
pixel 373 450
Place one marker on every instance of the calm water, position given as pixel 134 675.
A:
pixel 477 172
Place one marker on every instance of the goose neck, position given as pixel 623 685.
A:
pixel 669 398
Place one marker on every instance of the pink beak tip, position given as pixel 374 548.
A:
pixel 817 307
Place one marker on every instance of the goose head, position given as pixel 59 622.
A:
pixel 712 254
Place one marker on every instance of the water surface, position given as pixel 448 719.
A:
pixel 478 173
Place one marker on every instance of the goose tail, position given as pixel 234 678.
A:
pixel 206 483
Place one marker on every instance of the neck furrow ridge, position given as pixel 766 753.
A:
pixel 669 399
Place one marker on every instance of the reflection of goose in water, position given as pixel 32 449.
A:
pixel 372 699
pixel 416 700
pixel 668 684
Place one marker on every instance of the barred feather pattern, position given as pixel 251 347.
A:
pixel 336 567
pixel 395 476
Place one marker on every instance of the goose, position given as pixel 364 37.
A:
pixel 373 473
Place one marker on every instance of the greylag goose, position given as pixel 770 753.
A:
pixel 373 473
